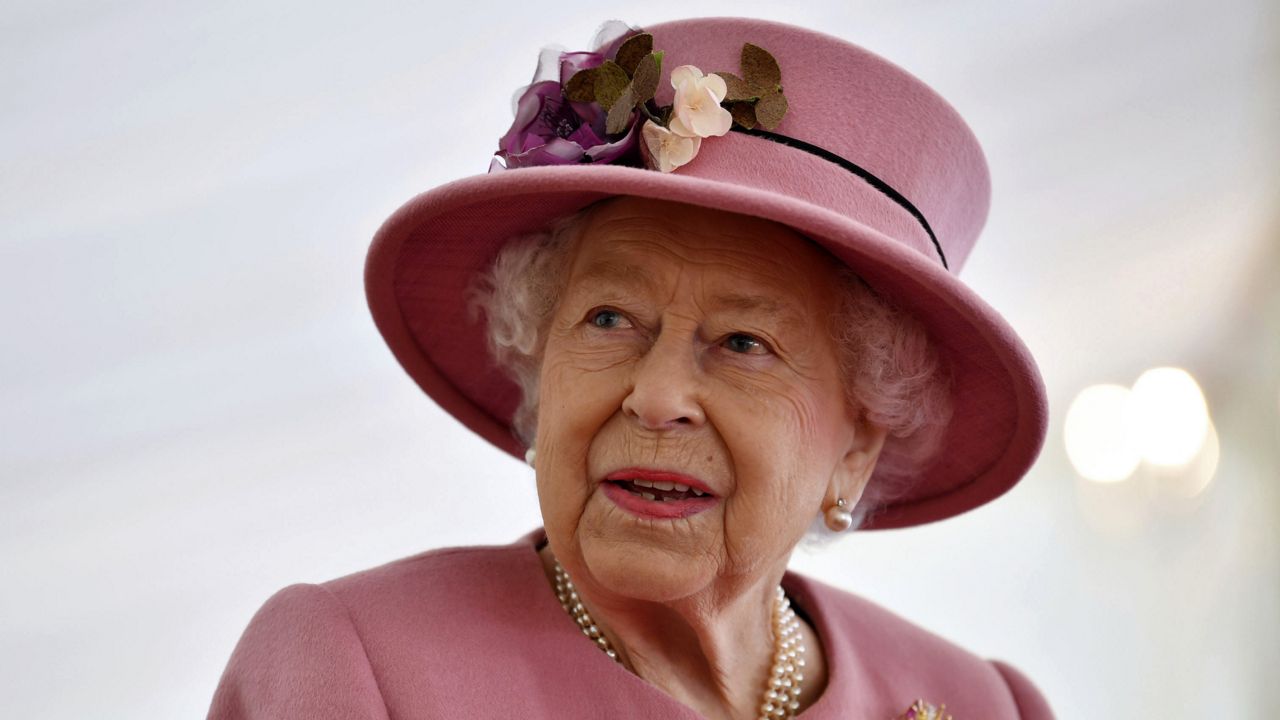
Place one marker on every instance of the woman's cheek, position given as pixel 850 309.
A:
pixel 761 392
pixel 580 392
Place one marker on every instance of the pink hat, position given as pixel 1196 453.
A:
pixel 860 156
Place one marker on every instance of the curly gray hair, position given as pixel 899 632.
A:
pixel 892 369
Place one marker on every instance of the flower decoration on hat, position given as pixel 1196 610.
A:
pixel 602 109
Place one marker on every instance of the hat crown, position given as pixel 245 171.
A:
pixel 859 106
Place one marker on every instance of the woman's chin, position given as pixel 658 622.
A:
pixel 646 573
pixel 648 558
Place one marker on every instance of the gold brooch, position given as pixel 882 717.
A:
pixel 921 710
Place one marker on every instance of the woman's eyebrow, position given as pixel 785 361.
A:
pixel 777 310
pixel 605 271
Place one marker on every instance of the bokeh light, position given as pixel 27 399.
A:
pixel 1191 480
pixel 1097 434
pixel 1168 415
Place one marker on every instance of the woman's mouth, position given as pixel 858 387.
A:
pixel 654 494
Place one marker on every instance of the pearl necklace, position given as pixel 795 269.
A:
pixel 781 698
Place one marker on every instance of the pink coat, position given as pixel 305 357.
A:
pixel 475 632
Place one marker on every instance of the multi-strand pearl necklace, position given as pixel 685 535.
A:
pixel 781 697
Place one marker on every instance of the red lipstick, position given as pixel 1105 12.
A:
pixel 648 493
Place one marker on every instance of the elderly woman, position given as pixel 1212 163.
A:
pixel 716 319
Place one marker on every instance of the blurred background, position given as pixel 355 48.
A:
pixel 196 410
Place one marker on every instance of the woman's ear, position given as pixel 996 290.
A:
pixel 859 461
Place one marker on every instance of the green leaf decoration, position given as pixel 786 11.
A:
pixel 744 113
pixel 610 82
pixel 631 52
pixel 737 88
pixel 644 82
pixel 770 109
pixel 582 86
pixel 620 114
pixel 755 98
pixel 759 68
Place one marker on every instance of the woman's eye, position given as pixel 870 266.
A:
pixel 607 319
pixel 741 343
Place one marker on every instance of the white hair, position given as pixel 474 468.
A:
pixel 892 370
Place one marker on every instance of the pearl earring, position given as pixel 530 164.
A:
pixel 529 455
pixel 838 516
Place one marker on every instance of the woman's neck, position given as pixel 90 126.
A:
pixel 713 654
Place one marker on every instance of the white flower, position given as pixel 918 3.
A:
pixel 667 149
pixel 696 112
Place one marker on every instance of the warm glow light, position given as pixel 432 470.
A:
pixel 1169 416
pixel 1097 434
pixel 1192 480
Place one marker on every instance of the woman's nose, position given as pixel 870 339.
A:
pixel 665 392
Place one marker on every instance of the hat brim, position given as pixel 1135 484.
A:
pixel 425 255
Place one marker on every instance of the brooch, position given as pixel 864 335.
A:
pixel 921 710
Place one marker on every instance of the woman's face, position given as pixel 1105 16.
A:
pixel 692 345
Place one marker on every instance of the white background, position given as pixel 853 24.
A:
pixel 195 409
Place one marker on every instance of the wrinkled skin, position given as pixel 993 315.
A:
pixel 694 340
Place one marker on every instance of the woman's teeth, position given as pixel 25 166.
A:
pixel 663 485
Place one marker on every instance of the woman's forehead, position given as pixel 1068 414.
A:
pixel 762 296
pixel 639 238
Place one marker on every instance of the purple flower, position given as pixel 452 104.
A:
pixel 550 130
